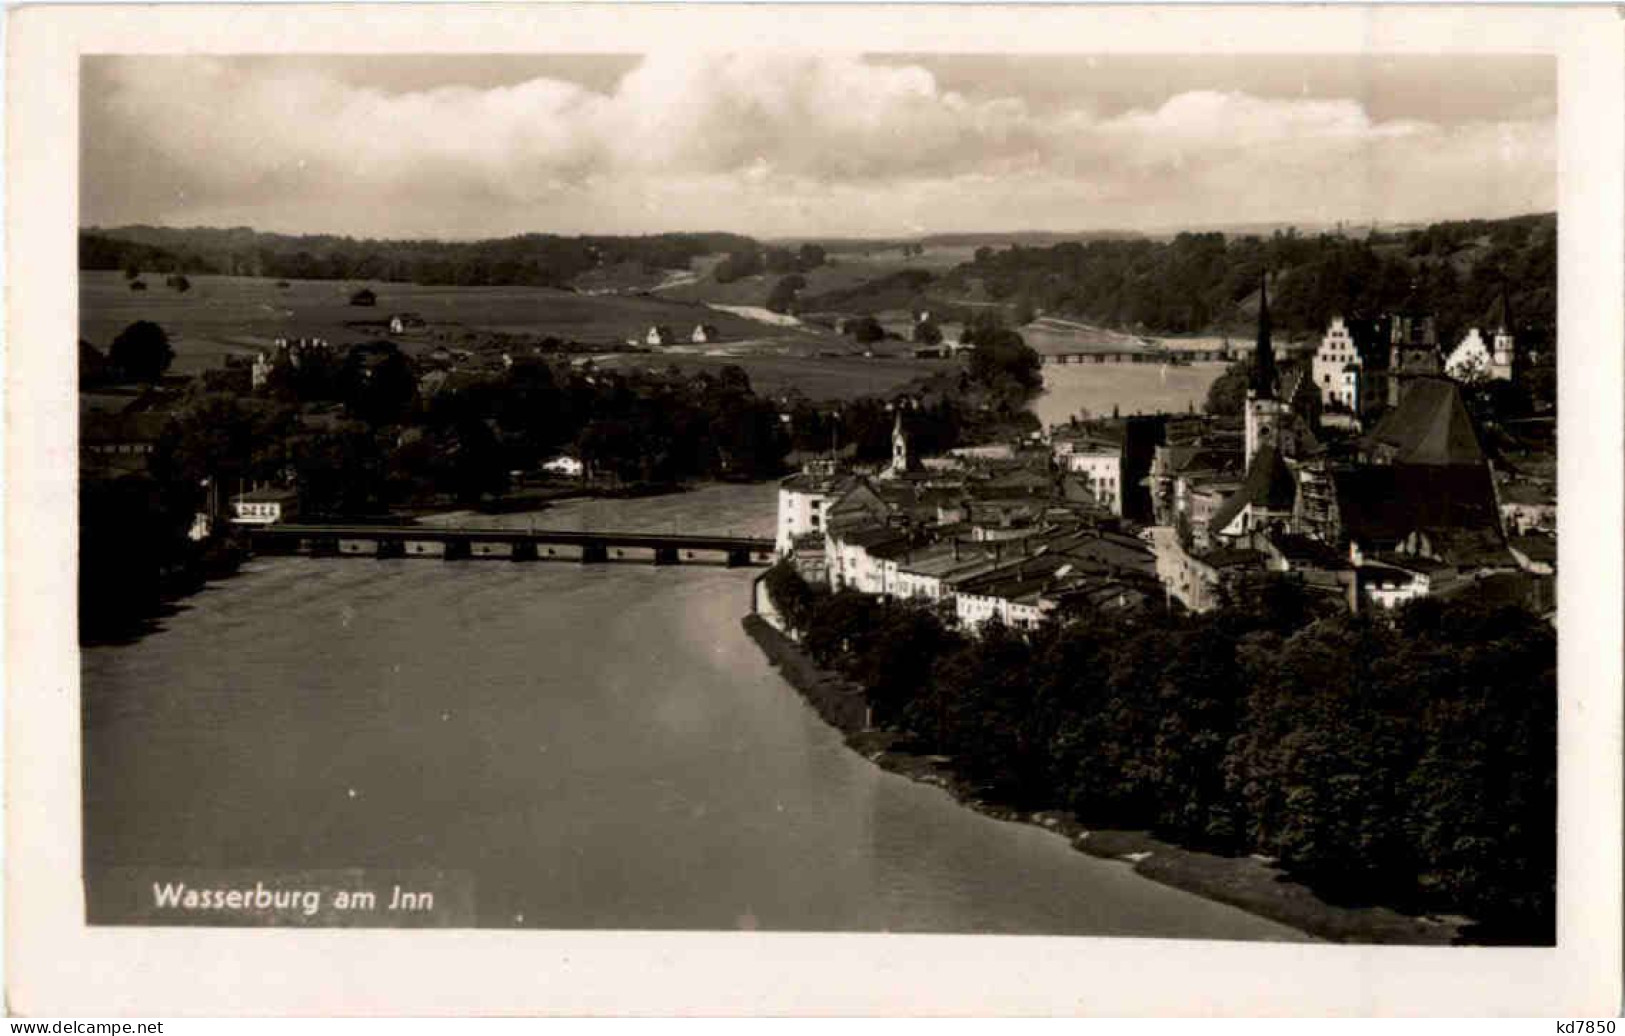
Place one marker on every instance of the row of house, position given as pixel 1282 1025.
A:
pixel 994 540
pixel 662 334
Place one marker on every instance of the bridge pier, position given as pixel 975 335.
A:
pixel 494 544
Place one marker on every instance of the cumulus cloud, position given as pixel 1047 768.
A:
pixel 763 143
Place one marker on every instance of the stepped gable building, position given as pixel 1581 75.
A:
pixel 1336 367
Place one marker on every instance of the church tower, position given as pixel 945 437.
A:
pixel 902 461
pixel 1263 414
pixel 1503 349
pixel 899 445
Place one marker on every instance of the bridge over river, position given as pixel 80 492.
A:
pixel 1141 355
pixel 411 541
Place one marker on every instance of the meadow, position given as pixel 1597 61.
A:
pixel 222 315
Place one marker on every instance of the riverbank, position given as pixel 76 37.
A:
pixel 1249 883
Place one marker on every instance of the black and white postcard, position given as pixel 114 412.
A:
pixel 798 509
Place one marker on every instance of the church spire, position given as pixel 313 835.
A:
pixel 1262 383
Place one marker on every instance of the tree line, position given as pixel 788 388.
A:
pixel 1206 282
pixel 545 260
pixel 1407 760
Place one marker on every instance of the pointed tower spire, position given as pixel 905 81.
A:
pixel 1262 383
pixel 1501 311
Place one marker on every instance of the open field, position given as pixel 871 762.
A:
pixel 223 315
pixel 817 377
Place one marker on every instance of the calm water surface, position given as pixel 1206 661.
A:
pixel 1131 387
pixel 597 747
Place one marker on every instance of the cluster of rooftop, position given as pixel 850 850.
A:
pixel 1373 504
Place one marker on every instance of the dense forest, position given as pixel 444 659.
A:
pixel 1208 282
pixel 530 259
pixel 1407 760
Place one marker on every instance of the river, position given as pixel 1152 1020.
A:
pixel 1133 388
pixel 596 747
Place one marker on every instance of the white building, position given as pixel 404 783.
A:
pixel 1336 367
pixel 1100 465
pixel 1390 585
pixel 853 562
pixel 566 465
pixel 804 502
pixel 1470 361
pixel 264 507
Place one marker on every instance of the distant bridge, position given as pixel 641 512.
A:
pixel 455 544
pixel 1139 356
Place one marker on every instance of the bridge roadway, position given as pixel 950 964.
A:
pixel 399 541
pixel 1158 356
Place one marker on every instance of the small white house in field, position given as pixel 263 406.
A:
pixel 659 334
pixel 405 323
pixel 704 333
pixel 566 465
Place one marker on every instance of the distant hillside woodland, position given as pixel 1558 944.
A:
pixel 1205 282
pixel 1196 282
pixel 534 259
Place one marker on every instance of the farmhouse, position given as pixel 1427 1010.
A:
pixel 406 323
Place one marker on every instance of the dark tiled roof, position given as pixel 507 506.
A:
pixel 268 495
pixel 1535 548
pixel 1430 426
pixel 1268 485
pixel 1522 589
pixel 1383 504
pixel 1302 550
pixel 1411 562
pixel 1227 558
pixel 870 537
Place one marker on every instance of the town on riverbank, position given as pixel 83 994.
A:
pixel 1294 633
pixel 1277 602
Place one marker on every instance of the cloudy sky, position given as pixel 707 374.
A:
pixel 809 144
